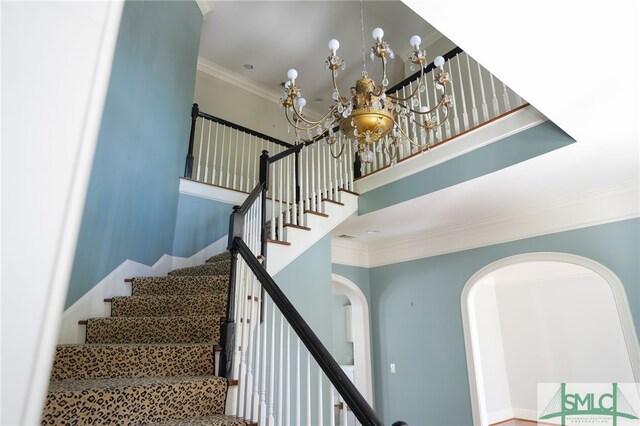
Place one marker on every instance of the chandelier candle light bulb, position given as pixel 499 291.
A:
pixel 368 113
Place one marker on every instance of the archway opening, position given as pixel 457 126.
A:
pixel 543 318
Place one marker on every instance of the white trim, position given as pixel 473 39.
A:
pixel 349 253
pixel 494 131
pixel 599 207
pixel 617 290
pixel 206 8
pixel 92 305
pixel 500 416
pixel 242 82
pixel 361 333
pixel 210 192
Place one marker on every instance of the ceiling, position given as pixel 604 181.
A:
pixel 556 70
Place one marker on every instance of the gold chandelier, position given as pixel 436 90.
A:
pixel 368 114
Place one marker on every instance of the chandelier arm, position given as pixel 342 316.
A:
pixel 384 69
pixel 311 122
pixel 301 139
pixel 430 111
pixel 341 150
pixel 444 120
pixel 335 87
pixel 411 141
pixel 389 150
pixel 420 83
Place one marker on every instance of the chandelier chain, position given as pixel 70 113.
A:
pixel 364 61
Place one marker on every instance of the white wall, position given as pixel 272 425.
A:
pixel 559 323
pixel 56 63
pixel 493 366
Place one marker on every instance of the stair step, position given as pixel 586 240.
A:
pixel 225 255
pixel 169 306
pixel 199 329
pixel 179 285
pixel 215 420
pixel 217 268
pixel 133 400
pixel 102 361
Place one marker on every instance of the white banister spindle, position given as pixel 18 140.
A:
pixel 287 387
pixel 235 161
pixel 319 192
pixel 312 151
pixel 494 100
pixel 255 409
pixel 325 178
pixel 485 107
pixel 280 217
pixel 229 155
pixel 474 110
pixel 262 410
pixel 280 371
pixel 220 169
pixel 298 373
pixel 272 363
pixel 215 152
pixel 272 192
pixel 308 390
pixel 243 160
pixel 465 116
pixel 200 150
pixel 505 98
pixel 206 162
pixel 332 406
pixel 320 405
pixel 343 414
pixel 452 84
pixel 288 189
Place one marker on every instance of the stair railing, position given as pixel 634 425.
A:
pixel 285 374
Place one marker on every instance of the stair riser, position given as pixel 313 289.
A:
pixel 135 404
pixel 149 306
pixel 218 268
pixel 219 257
pixel 179 286
pixel 153 330
pixel 104 362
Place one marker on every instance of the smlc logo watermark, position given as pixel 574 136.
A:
pixel 589 403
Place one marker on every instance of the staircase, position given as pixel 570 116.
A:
pixel 152 361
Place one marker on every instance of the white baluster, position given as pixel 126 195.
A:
pixel 286 164
pixel 474 110
pixel 272 181
pixel 222 141
pixel 216 144
pixel 206 162
pixel 505 98
pixel 280 207
pixel 320 406
pixel 298 390
pixel 242 161
pixel 272 362
pixel 328 161
pixel 255 410
pixel 465 116
pixel 343 414
pixel 229 155
pixel 312 151
pixel 294 188
pixel 349 167
pixel 319 178
pixel 452 83
pixel 485 108
pixel 308 401
pixel 199 161
pixel 280 371
pixel 235 161
pixel 307 194
pixel 287 388
pixel 332 406
pixel 262 419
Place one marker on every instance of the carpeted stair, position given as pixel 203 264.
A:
pixel 152 361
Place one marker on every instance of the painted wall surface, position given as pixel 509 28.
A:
pixel 307 283
pixel 565 329
pixel 359 276
pixel 131 206
pixel 511 150
pixel 342 350
pixel 56 62
pixel 494 378
pixel 417 323
pixel 199 222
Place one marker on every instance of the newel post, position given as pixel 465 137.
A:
pixel 188 167
pixel 357 165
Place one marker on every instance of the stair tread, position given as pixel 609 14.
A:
pixel 120 382
pixel 169 305
pixel 214 420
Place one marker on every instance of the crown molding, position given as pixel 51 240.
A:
pixel 242 82
pixel 206 8
pixel 599 207
pixel 349 253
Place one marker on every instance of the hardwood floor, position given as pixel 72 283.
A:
pixel 516 422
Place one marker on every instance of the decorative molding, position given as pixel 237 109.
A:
pixel 470 339
pixel 206 8
pixel 211 192
pixel 345 252
pixel 515 122
pixel 583 210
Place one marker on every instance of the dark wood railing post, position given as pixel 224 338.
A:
pixel 263 179
pixel 357 165
pixel 228 325
pixel 296 172
pixel 188 167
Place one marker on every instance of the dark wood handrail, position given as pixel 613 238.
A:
pixel 354 399
pixel 243 129
pixel 413 77
pixel 285 153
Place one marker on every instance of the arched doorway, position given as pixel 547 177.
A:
pixel 360 331
pixel 553 300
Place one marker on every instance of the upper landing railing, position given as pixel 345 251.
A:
pixel 226 154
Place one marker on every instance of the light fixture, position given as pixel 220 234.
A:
pixel 370 116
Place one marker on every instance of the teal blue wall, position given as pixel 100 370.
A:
pixel 199 222
pixel 511 150
pixel 132 200
pixel 307 283
pixel 417 323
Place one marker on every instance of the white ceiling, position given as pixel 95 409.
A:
pixel 547 51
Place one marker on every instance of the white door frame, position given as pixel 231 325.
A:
pixel 342 286
pixel 470 339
